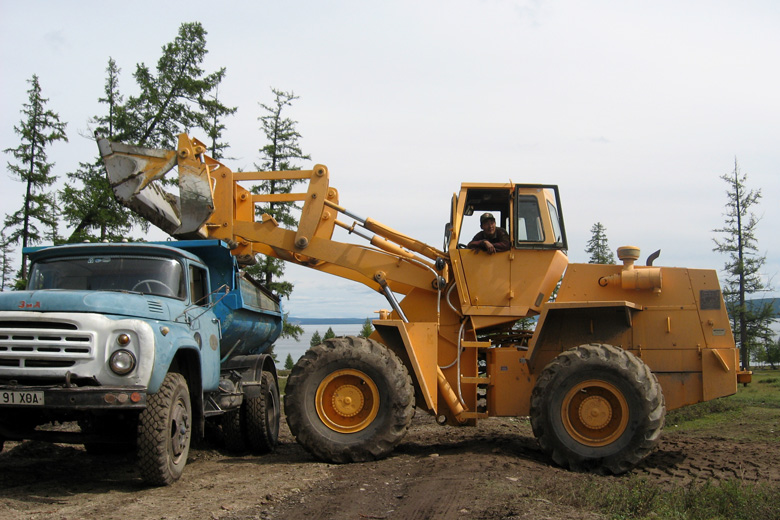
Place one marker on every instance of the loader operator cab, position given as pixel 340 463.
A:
pixel 508 283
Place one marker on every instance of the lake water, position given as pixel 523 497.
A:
pixel 297 349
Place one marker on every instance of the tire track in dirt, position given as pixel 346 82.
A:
pixel 683 460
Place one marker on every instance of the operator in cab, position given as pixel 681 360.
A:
pixel 491 239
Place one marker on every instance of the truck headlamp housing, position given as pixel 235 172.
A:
pixel 122 362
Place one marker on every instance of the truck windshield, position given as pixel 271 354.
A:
pixel 148 275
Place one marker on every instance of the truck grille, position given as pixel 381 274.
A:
pixel 36 344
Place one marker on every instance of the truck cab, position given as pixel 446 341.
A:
pixel 104 330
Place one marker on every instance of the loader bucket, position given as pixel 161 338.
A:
pixel 134 173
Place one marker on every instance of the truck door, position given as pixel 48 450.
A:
pixel 203 324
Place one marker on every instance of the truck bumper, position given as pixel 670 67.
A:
pixel 72 398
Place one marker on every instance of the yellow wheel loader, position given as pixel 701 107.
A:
pixel 594 354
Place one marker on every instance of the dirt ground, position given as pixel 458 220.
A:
pixel 492 471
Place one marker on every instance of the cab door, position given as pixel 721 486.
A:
pixel 483 279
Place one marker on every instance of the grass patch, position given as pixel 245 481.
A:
pixel 703 410
pixel 752 414
pixel 764 391
pixel 636 498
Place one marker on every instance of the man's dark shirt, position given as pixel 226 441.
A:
pixel 500 240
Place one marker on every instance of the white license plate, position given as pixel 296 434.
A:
pixel 21 398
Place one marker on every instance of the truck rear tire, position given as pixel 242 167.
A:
pixel 233 431
pixel 349 400
pixel 262 415
pixel 255 425
pixel 597 408
pixel 165 432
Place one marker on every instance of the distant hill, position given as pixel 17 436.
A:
pixel 326 321
pixel 759 302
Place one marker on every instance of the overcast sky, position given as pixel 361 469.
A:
pixel 635 109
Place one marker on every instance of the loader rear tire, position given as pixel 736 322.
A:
pixel 597 408
pixel 165 432
pixel 349 400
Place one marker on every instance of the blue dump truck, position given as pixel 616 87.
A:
pixel 144 346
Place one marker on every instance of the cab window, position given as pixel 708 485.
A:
pixel 198 286
pixel 529 220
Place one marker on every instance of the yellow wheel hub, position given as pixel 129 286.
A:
pixel 347 401
pixel 595 413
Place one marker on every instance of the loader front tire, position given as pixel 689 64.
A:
pixel 349 400
pixel 165 432
pixel 597 408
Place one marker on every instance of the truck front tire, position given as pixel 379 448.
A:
pixel 349 400
pixel 165 432
pixel 597 408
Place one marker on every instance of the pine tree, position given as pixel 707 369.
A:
pixel 291 330
pixel 288 362
pixel 367 328
pixel 6 267
pixel 38 129
pixel 87 199
pixel 316 339
pixel 743 267
pixel 278 154
pixel 598 246
pixel 329 334
pixel 213 124
pixel 176 98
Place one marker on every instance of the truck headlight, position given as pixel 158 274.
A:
pixel 122 362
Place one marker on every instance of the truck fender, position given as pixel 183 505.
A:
pixel 187 363
pixel 251 368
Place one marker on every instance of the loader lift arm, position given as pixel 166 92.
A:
pixel 392 263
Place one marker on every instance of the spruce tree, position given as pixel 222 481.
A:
pixel 87 199
pixel 316 339
pixel 742 270
pixel 280 152
pixel 177 97
pixel 38 129
pixel 367 328
pixel 598 246
pixel 6 266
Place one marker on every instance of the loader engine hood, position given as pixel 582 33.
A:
pixel 99 302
